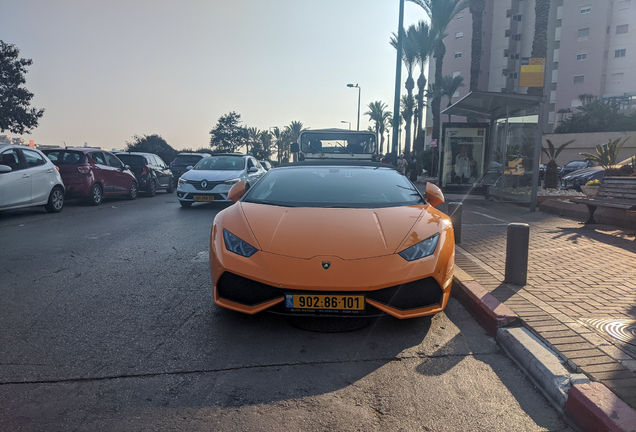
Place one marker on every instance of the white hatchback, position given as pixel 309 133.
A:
pixel 28 178
pixel 213 176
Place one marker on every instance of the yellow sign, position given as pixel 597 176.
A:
pixel 532 72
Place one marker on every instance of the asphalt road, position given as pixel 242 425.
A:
pixel 107 323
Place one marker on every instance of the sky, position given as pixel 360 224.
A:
pixel 105 71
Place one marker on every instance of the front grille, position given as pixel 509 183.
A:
pixel 245 291
pixel 209 186
pixel 413 295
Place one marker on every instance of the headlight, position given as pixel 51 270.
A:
pixel 238 246
pixel 182 181
pixel 233 181
pixel 421 250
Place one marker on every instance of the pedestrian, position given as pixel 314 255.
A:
pixel 413 168
pixel 402 164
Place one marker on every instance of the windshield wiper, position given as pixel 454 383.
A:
pixel 348 151
pixel 315 149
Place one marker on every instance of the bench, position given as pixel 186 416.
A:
pixel 614 192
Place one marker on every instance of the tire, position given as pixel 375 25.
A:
pixel 152 188
pixel 185 204
pixel 56 200
pixel 96 196
pixel 132 192
pixel 170 186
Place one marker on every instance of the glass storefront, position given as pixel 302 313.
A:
pixel 464 149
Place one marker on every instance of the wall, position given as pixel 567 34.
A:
pixel 586 143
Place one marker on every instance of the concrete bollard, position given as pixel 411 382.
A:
pixel 517 244
pixel 455 213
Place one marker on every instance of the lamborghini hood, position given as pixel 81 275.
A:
pixel 345 233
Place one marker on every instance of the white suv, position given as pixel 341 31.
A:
pixel 213 176
pixel 28 178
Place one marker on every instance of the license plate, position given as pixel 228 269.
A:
pixel 203 198
pixel 325 302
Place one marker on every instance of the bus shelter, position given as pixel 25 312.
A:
pixel 498 151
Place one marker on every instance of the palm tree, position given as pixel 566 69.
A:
pixel 377 113
pixel 292 133
pixel 606 154
pixel 449 86
pixel 425 42
pixel 540 41
pixel 551 171
pixel 440 12
pixel 476 8
pixel 252 138
pixel 409 56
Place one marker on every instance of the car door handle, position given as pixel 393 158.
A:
pixel 49 171
pixel 25 176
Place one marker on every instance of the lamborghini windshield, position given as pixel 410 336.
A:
pixel 334 186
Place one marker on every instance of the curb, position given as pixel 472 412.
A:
pixel 591 406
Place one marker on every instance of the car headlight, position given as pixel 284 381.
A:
pixel 182 181
pixel 233 181
pixel 421 250
pixel 238 246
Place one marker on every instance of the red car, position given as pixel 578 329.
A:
pixel 93 173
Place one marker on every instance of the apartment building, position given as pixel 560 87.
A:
pixel 591 50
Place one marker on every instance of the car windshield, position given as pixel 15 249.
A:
pixel 221 163
pixel 65 157
pixel 345 187
pixel 186 160
pixel 132 160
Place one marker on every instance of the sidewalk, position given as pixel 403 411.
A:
pixel 580 298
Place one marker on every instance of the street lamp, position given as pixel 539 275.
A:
pixel 359 91
pixel 344 121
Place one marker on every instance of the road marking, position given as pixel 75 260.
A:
pixel 488 216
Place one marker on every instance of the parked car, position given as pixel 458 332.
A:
pixel 93 173
pixel 358 235
pixel 213 176
pixel 28 178
pixel 151 172
pixel 574 165
pixel 181 163
pixel 266 165
pixel 578 178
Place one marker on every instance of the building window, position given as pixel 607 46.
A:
pixel 619 53
pixel 622 29
pixel 516 37
pixel 581 56
pixel 514 56
pixel 617 78
pixel 579 79
pixel 625 4
pixel 456 94
pixel 458 55
pixel 584 33
pixel 456 73
pixel 576 103
pixel 507 34
pixel 513 75
pixel 505 53
pixel 517 17
pixel 586 9
pixel 459 35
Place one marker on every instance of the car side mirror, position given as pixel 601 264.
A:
pixel 189 167
pixel 237 191
pixel 433 195
pixel 295 148
pixel 253 170
pixel 5 169
pixel 127 167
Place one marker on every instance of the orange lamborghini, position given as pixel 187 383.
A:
pixel 333 238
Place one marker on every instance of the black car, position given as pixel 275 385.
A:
pixel 579 178
pixel 574 165
pixel 151 172
pixel 181 163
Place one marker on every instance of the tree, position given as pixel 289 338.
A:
pixel 16 114
pixel 540 40
pixel 152 144
pixel 476 8
pixel 378 115
pixel 262 147
pixel 409 56
pixel 551 172
pixel 450 85
pixel 425 43
pixel 595 116
pixel 440 12
pixel 228 135
pixel 606 154
pixel 290 135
